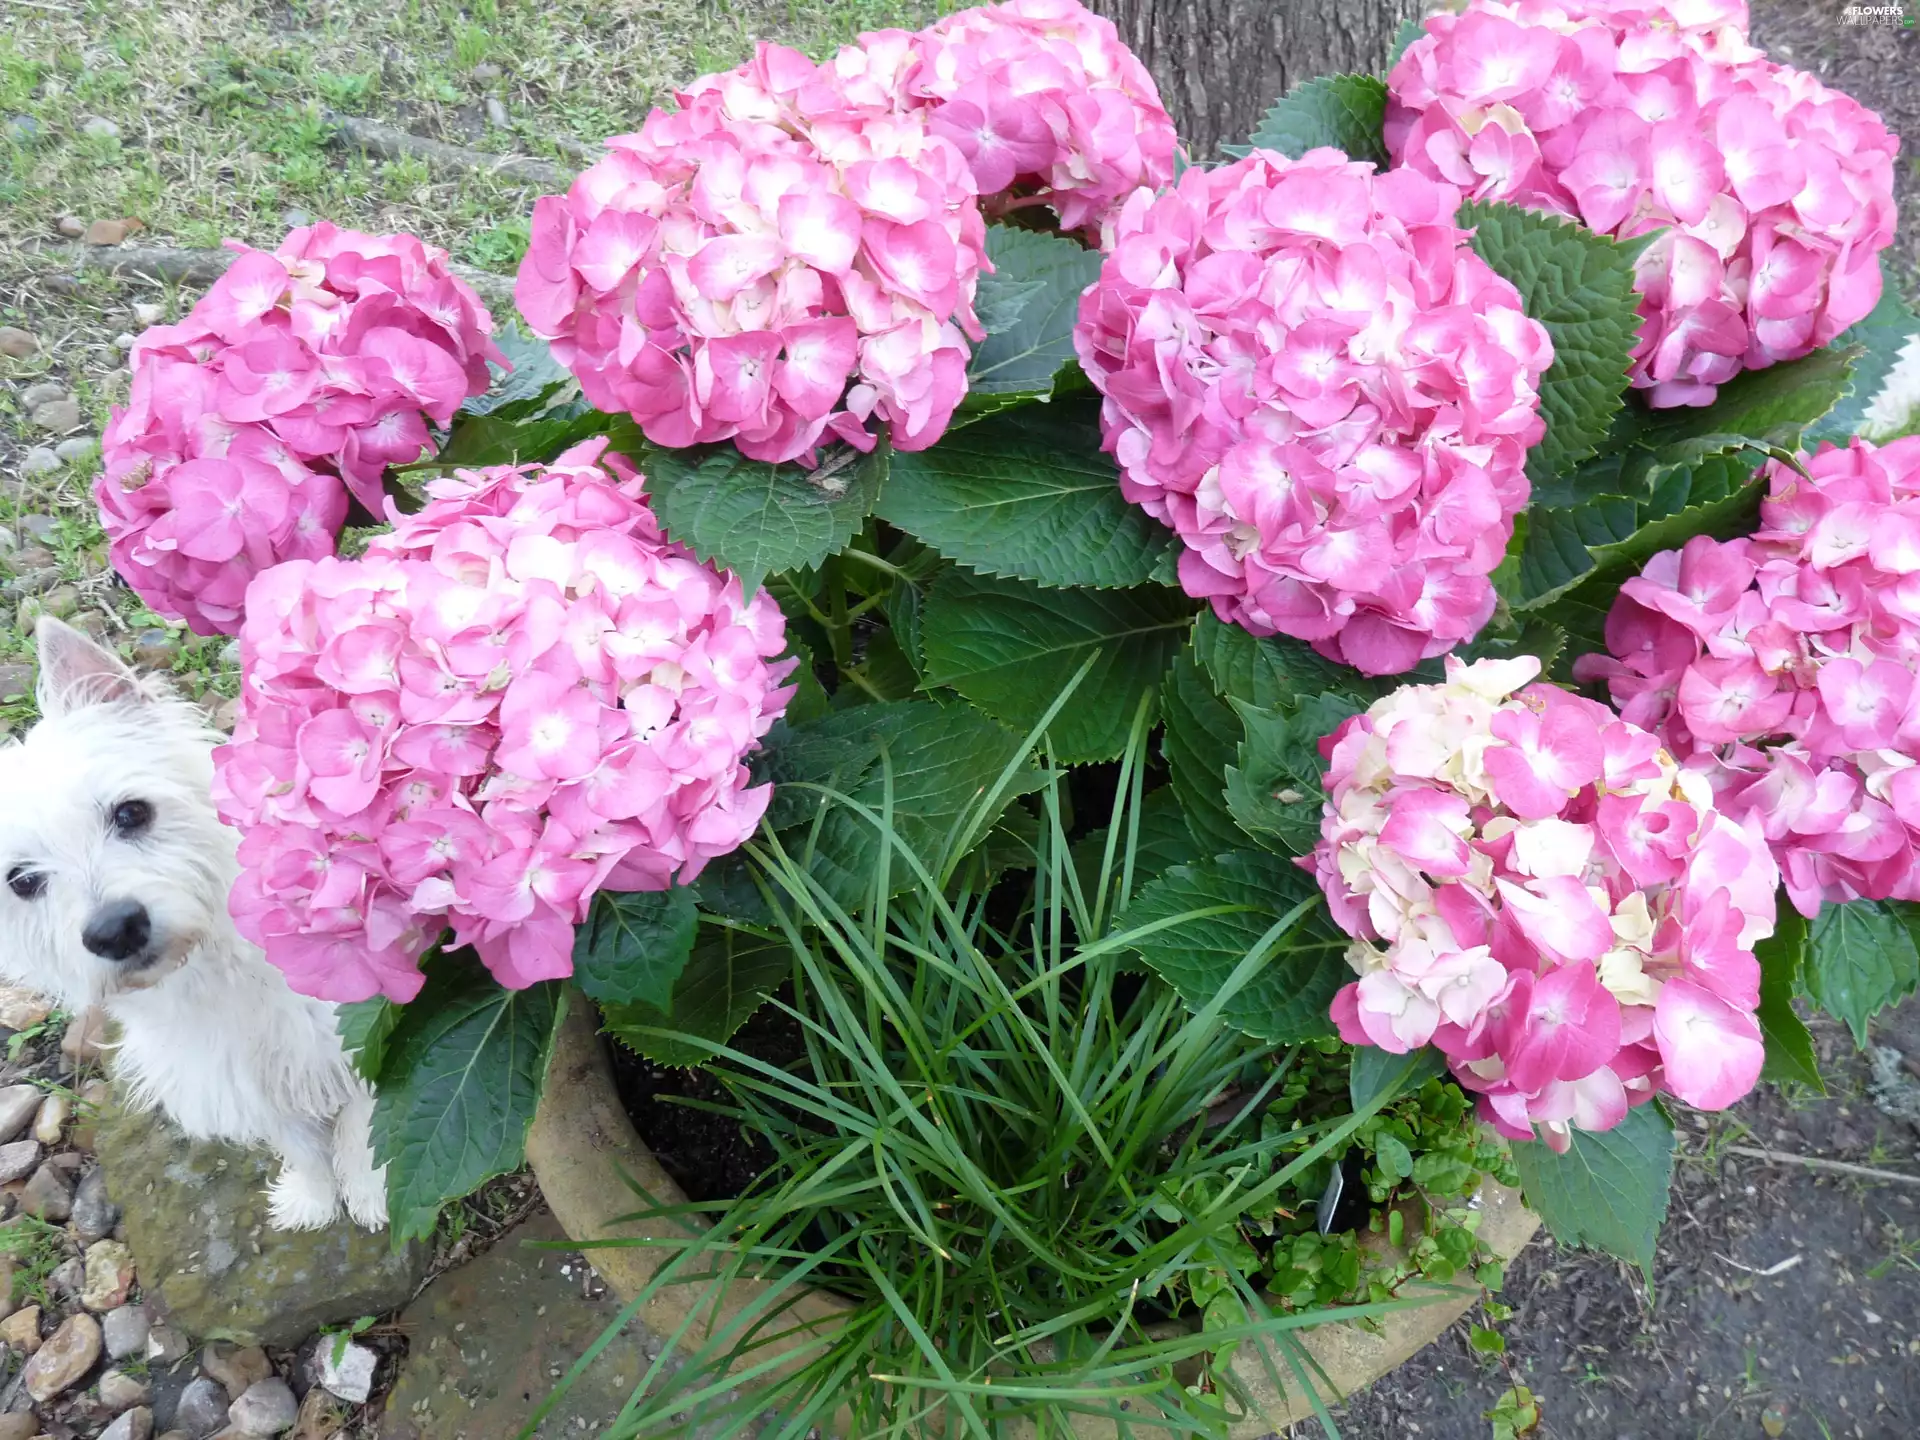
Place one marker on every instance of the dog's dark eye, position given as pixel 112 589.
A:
pixel 130 817
pixel 27 884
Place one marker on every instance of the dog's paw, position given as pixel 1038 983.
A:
pixel 366 1197
pixel 301 1202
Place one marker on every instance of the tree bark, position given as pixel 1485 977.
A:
pixel 1220 63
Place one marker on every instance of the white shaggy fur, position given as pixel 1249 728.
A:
pixel 210 1032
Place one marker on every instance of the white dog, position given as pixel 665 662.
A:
pixel 116 872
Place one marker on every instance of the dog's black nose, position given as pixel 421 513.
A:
pixel 118 930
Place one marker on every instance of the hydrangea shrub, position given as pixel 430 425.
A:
pixel 1457 487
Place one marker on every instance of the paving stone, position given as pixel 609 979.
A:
pixel 484 1342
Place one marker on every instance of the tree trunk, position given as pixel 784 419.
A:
pixel 1220 63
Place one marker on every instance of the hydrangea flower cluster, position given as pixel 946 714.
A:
pixel 294 382
pixel 776 263
pixel 1774 192
pixel 1315 381
pixel 520 696
pixel 1783 665
pixel 1538 889
pixel 1042 97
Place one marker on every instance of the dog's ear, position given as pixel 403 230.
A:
pixel 75 672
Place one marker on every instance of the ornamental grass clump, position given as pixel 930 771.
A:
pixel 293 383
pixel 1027 1169
pixel 1541 892
pixel 1766 197
pixel 521 695
pixel 1314 380
pixel 1783 665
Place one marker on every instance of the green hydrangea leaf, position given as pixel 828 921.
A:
pixel 1881 336
pixel 1031 300
pixel 754 518
pixel 1790 1053
pixel 1028 494
pixel 1609 1190
pixel 1861 958
pixel 1379 1076
pixel 1344 111
pixel 1774 406
pixel 1198 744
pixel 1220 908
pixel 1580 286
pixel 364 1026
pixel 728 976
pixel 463 1072
pixel 1274 672
pixel 634 946
pixel 1274 789
pixel 1009 647
pixel 535 380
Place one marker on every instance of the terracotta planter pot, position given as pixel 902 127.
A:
pixel 582 1140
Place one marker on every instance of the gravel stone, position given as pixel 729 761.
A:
pixel 351 1376
pixel 50 1125
pixel 16 681
pixel 18 1160
pixel 109 1276
pixel 94 1215
pixel 100 128
pixel 64 1359
pixel 266 1409
pixel 125 1331
pixel 17 344
pixel 44 392
pixel 18 1105
pixel 136 1424
pixel 120 1391
pixel 238 1367
pixel 155 649
pixel 48 1195
pixel 57 415
pixel 76 448
pixel 497 114
pixel 21 1330
pixel 203 1408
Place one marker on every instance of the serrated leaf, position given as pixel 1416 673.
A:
pixel 1344 111
pixel 1273 790
pixel 1880 337
pixel 1609 1190
pixel 534 372
pixel 482 440
pixel 1274 672
pixel 1580 286
pixel 1288 1000
pixel 729 975
pixel 463 1073
pixel 1009 646
pixel 754 518
pixel 1411 29
pixel 1772 406
pixel 1198 743
pixel 940 758
pixel 1790 1054
pixel 364 1026
pixel 1029 494
pixel 1861 958
pixel 1379 1076
pixel 1034 294
pixel 633 946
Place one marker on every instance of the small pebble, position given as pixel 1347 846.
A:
pixel 21 1330
pixel 94 1215
pixel 43 528
pixel 100 128
pixel 166 1345
pixel 61 601
pixel 49 1196
pixel 63 284
pixel 154 649
pixel 238 1367
pixel 71 226
pixel 120 1391
pixel 266 1409
pixel 40 460
pixel 15 343
pixel 45 392
pixel 23 129
pixel 19 1159
pixel 126 1331
pixel 69 1277
pixel 8 542
pixel 202 1409
pixel 18 1105
pixel 497 114
pixel 486 70
pixel 123 341
pixel 148 313
pixel 77 448
pixel 351 1375
pixel 64 1359
pixel 107 232
pixel 51 1123
pixel 16 682
pixel 136 1424
pixel 58 416
pixel 85 1035
pixel 293 217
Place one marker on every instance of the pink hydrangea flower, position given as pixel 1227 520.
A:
pixel 1775 193
pixel 1784 665
pixel 522 695
pixel 1041 96
pixel 1541 891
pixel 293 383
pixel 777 263
pixel 1315 381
